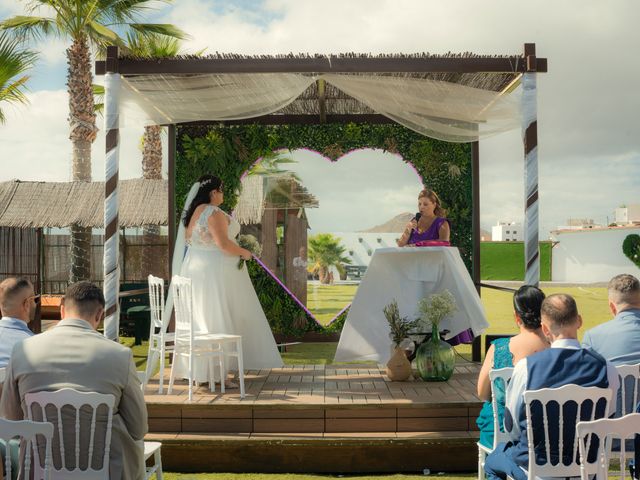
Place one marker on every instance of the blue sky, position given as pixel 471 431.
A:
pixel 588 127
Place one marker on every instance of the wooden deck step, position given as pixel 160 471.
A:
pixel 347 452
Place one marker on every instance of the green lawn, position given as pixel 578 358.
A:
pixel 505 261
pixel 326 301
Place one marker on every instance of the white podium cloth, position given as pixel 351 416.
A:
pixel 407 274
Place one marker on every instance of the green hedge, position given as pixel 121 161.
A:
pixel 228 151
pixel 505 261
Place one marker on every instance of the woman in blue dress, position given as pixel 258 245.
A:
pixel 506 352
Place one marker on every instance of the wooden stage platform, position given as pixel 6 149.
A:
pixel 320 418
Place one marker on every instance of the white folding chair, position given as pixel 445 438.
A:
pixel 207 345
pixel 98 409
pixel 605 430
pixel 629 387
pixel 160 341
pixel 567 464
pixel 627 401
pixel 68 403
pixel 152 449
pixel 28 432
pixel 189 344
pixel 499 433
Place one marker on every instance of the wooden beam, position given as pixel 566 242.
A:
pixel 131 66
pixel 171 160
pixel 475 234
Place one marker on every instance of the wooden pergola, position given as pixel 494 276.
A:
pixel 322 103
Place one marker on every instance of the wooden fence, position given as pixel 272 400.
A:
pixel 45 260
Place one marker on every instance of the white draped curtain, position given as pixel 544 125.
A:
pixel 443 110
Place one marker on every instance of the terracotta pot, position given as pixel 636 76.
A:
pixel 398 366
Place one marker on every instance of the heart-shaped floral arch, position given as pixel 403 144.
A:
pixel 228 151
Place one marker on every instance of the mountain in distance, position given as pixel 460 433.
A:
pixel 395 225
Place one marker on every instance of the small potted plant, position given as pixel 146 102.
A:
pixel 398 366
pixel 435 358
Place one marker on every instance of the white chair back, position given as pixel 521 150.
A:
pixel 558 399
pixel 69 410
pixel 156 303
pixel 28 432
pixel 183 304
pixel 499 375
pixel 605 430
pixel 629 386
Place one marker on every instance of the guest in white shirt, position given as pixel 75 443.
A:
pixel 18 306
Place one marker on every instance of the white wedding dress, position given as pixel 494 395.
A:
pixel 224 300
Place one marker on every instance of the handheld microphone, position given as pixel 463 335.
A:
pixel 418 215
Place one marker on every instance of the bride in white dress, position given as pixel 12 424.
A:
pixel 224 300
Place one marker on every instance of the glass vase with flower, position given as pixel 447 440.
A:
pixel 435 358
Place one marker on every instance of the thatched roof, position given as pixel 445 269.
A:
pixel 60 204
pixel 276 190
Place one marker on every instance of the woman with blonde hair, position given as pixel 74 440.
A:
pixel 429 223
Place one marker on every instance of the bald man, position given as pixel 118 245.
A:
pixel 18 306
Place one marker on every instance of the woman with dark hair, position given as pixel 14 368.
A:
pixel 506 352
pixel 224 300
pixel 430 224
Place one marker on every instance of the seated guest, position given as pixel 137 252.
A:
pixel 563 364
pixel 431 224
pixel 18 306
pixel 619 339
pixel 506 352
pixel 74 355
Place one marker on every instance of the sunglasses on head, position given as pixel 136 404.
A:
pixel 36 298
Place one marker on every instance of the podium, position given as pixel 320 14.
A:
pixel 407 274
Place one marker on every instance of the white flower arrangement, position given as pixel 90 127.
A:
pixel 434 308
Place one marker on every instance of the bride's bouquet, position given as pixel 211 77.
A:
pixel 250 243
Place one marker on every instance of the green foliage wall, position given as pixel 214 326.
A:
pixel 228 151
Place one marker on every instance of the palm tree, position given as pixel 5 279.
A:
pixel 86 23
pixel 325 250
pixel 14 62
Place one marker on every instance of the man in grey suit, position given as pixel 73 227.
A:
pixel 619 339
pixel 74 355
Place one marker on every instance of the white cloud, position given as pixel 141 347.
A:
pixel 36 146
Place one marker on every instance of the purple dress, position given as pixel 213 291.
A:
pixel 433 233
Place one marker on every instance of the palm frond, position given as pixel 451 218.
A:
pixel 103 36
pixel 25 26
pixel 98 98
pixel 141 44
pixel 160 28
pixel 14 62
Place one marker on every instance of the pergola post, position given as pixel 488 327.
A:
pixel 530 139
pixel 476 347
pixel 111 265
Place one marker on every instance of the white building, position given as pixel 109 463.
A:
pixel 579 224
pixel 591 255
pixel 627 215
pixel 361 245
pixel 507 232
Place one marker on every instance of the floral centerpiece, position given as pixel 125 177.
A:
pixel 398 366
pixel 435 358
pixel 250 243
